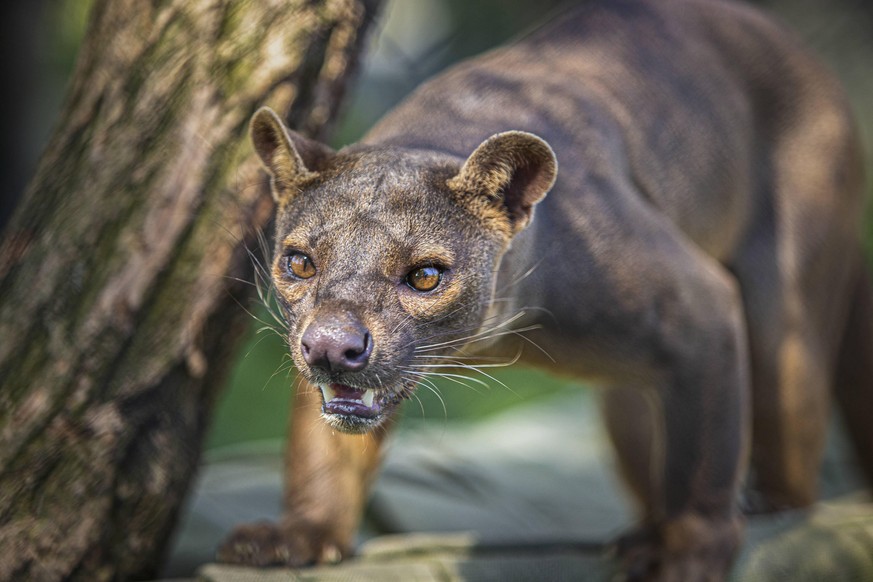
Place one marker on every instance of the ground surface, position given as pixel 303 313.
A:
pixel 533 489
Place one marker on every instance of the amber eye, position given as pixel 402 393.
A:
pixel 300 265
pixel 424 278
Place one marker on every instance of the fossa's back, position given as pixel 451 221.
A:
pixel 690 99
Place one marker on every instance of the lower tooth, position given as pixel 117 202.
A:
pixel 367 398
pixel 328 393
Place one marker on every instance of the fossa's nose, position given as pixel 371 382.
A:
pixel 337 342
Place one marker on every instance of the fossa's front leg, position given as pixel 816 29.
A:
pixel 678 410
pixel 681 436
pixel 327 480
pixel 683 534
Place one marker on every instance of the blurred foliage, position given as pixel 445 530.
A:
pixel 68 18
pixel 418 39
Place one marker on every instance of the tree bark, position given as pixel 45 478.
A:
pixel 121 270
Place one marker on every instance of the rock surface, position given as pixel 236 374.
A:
pixel 534 488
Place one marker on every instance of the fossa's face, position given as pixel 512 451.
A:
pixel 385 257
pixel 380 273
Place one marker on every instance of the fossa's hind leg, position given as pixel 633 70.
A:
pixel 854 380
pixel 795 277
pixel 795 268
pixel 795 274
pixel 790 402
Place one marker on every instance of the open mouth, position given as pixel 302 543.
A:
pixel 359 410
pixel 352 410
pixel 349 401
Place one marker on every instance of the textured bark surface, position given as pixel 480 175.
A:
pixel 119 299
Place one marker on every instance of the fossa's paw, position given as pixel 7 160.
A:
pixel 271 544
pixel 687 549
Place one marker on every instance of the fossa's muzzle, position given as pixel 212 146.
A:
pixel 334 345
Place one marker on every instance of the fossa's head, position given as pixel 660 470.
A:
pixel 385 256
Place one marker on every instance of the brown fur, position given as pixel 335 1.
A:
pixel 698 255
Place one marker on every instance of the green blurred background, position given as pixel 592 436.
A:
pixel 413 40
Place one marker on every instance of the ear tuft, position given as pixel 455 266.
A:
pixel 289 157
pixel 513 171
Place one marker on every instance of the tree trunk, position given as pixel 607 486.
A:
pixel 121 270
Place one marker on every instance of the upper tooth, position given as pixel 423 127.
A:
pixel 327 392
pixel 367 398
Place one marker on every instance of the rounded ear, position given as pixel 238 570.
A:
pixel 513 171
pixel 289 157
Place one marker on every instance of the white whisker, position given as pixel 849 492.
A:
pixel 452 363
pixel 475 335
pixel 456 378
pixel 427 383
pixel 474 339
